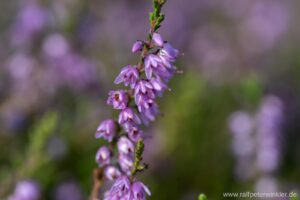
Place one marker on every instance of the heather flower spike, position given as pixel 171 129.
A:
pixel 145 81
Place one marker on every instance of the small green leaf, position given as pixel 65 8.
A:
pixel 294 198
pixel 160 18
pixel 151 17
pixel 156 27
pixel 202 197
pixel 139 148
pixel 155 4
pixel 156 11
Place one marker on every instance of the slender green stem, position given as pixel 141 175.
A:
pixel 155 18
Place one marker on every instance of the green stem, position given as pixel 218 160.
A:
pixel 156 17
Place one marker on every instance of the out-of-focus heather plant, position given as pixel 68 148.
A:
pixel 269 143
pixel 41 61
pixel 257 143
pixel 26 190
pixel 122 159
pixel 28 163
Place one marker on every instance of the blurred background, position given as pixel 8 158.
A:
pixel 231 121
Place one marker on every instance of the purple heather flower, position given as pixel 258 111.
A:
pixel 134 133
pixel 107 130
pixel 143 89
pixel 149 112
pixel 126 163
pixel 120 190
pixel 30 21
pixel 137 46
pixel 166 73
pixel 158 85
pixel 112 173
pixel 125 146
pixel 168 53
pixel 127 116
pixel 157 39
pixel 159 66
pixel 103 156
pixel 152 62
pixel 143 102
pixel 139 191
pixel 269 121
pixel 56 46
pixel 129 75
pixel 26 190
pixel 118 99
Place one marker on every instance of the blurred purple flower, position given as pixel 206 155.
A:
pixel 56 46
pixel 256 141
pixel 152 63
pixel 118 99
pixel 139 191
pixel 269 121
pixel 125 146
pixel 158 86
pixel 20 66
pixel 241 125
pixel 120 190
pixel 137 46
pixel 134 133
pixel 168 53
pixel 160 65
pixel 126 163
pixel 257 32
pixel 127 117
pixel 26 190
pixel 149 112
pixel 103 156
pixel 266 184
pixel 107 130
pixel 112 173
pixel 157 39
pixel 67 66
pixel 143 89
pixel 30 21
pixel 129 75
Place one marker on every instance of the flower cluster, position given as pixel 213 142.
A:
pixel 26 190
pixel 145 82
pixel 256 143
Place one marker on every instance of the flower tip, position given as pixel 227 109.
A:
pixel 157 39
pixel 137 46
